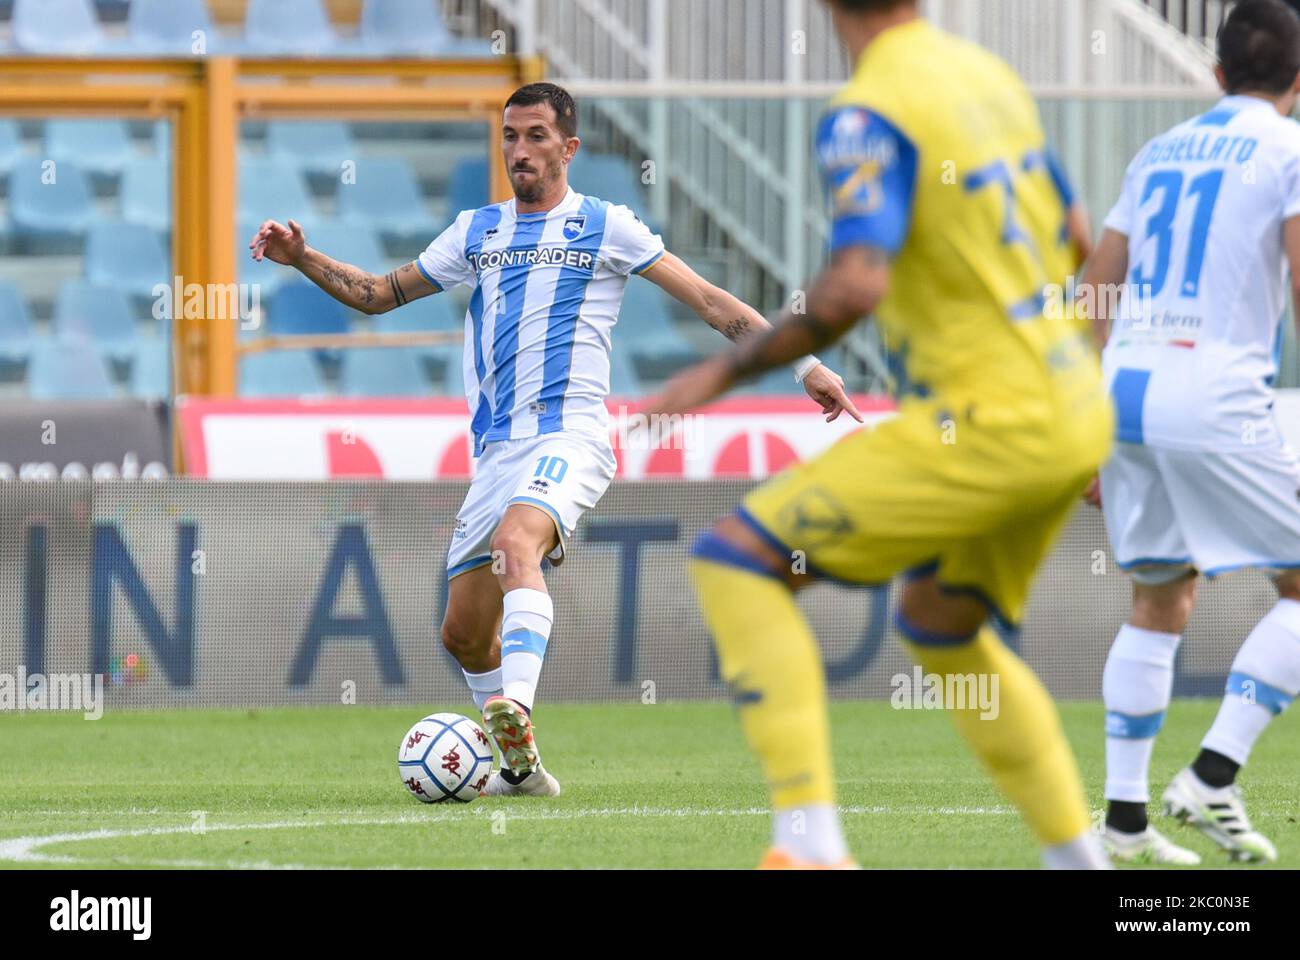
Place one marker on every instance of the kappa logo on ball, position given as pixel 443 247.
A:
pixel 415 738
pixel 574 226
pixel 451 762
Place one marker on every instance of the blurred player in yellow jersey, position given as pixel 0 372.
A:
pixel 951 218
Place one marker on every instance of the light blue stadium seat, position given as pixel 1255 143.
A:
pixel 645 323
pixel 99 147
pixel 11 145
pixel 293 27
pixel 100 315
pixel 151 375
pixel 265 274
pixel 608 177
pixel 317 147
pixel 15 326
pixel 146 193
pixel 350 244
pixel 382 372
pixel 169 27
pixel 451 359
pixel 68 370
pixel 468 188
pixel 387 199
pixel 438 312
pixel 127 257
pixel 623 381
pixel 271 188
pixel 303 307
pixel 404 27
pixel 56 27
pixel 279 373
pixel 48 204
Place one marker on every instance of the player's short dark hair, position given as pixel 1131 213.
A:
pixel 566 111
pixel 1259 47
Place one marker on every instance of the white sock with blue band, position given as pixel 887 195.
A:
pixel 1136 686
pixel 525 630
pixel 483 685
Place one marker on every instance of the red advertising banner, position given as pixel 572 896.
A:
pixel 423 439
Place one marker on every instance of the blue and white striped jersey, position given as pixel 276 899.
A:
pixel 547 291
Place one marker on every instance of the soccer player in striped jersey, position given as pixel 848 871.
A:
pixel 547 270
pixel 1199 243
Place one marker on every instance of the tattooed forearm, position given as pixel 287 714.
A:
pixel 360 286
pixel 795 336
pixel 399 295
pixel 737 329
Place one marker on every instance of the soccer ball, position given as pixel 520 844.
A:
pixel 445 758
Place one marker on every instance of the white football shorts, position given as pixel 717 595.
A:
pixel 562 474
pixel 1170 511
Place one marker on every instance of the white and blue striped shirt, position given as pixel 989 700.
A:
pixel 547 291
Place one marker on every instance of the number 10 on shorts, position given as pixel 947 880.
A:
pixel 552 468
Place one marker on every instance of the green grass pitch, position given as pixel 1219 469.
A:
pixel 669 785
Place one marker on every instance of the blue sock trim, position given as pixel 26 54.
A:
pixel 523 640
pixel 929 638
pixel 715 549
pixel 1245 686
pixel 1126 726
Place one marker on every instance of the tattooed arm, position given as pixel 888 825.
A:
pixel 843 294
pixel 357 288
pixel 730 316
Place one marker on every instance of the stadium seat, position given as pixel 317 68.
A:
pixel 270 188
pixel 151 375
pixel 608 177
pixel 100 148
pixel 146 193
pixel 645 324
pixel 99 315
pixel 126 257
pixel 411 27
pixel 48 204
pixel 435 313
pixel 302 307
pixel 293 27
pixel 15 326
pixel 350 244
pixel 387 198
pixel 279 373
pixel 11 145
pixel 382 372
pixel 451 360
pixel 68 370
pixel 168 26
pixel 319 148
pixel 469 186
pixel 56 27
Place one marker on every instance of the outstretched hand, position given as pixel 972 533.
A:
pixel 278 243
pixel 827 387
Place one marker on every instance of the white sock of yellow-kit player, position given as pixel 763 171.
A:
pixel 1135 686
pixel 525 630
pixel 483 685
pixel 1263 680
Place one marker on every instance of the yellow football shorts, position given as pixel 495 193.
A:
pixel 933 490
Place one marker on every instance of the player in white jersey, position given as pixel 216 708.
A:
pixel 1201 240
pixel 548 270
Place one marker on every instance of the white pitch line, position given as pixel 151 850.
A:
pixel 30 849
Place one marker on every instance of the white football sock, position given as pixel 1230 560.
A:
pixel 1084 852
pixel 525 630
pixel 483 685
pixel 1264 678
pixel 1135 686
pixel 810 833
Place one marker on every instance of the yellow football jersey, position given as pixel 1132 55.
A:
pixel 934 152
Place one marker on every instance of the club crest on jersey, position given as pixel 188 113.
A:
pixel 574 226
